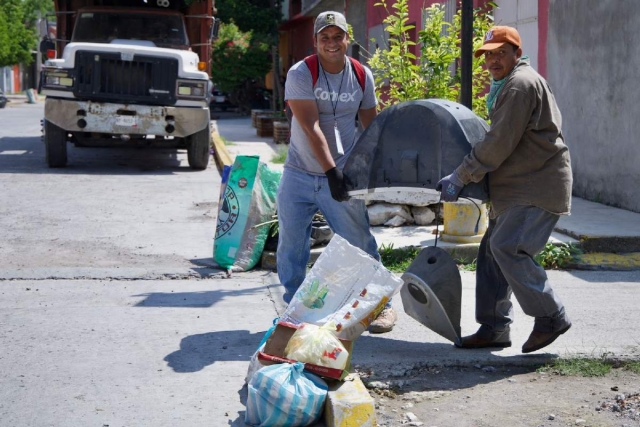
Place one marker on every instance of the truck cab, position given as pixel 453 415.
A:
pixel 128 75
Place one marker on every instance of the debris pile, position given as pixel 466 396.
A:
pixel 625 405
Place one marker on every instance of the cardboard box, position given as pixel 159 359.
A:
pixel 274 353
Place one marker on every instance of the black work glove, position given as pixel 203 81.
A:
pixel 337 184
pixel 449 187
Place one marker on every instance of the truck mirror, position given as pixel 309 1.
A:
pixel 47 44
pixel 215 28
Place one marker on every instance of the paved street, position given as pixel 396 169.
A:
pixel 103 317
pixel 112 315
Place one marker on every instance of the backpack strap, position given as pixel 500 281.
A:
pixel 313 64
pixel 314 67
pixel 358 69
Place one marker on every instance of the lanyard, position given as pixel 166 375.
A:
pixel 339 147
pixel 334 106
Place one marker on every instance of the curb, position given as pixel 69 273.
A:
pixel 588 261
pixel 606 261
pixel 220 153
pixel 268 260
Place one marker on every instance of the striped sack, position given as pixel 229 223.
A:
pixel 284 395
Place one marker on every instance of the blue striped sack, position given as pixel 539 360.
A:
pixel 284 395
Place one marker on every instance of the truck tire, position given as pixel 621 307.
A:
pixel 55 143
pixel 198 146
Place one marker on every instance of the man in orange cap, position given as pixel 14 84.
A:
pixel 529 174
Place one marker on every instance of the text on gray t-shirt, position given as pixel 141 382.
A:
pixel 341 91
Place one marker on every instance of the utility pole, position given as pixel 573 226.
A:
pixel 466 52
pixel 277 95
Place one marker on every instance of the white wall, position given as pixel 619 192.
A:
pixel 592 67
pixel 522 15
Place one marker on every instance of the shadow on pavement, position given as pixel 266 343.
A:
pixel 243 394
pixel 202 299
pixel 398 357
pixel 27 155
pixel 201 350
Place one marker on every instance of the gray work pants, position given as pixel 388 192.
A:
pixel 505 264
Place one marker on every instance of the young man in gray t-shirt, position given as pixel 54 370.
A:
pixel 323 134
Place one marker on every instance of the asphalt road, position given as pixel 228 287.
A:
pixel 110 310
pixel 112 315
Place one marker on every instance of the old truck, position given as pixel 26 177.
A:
pixel 129 72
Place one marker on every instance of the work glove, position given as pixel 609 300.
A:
pixel 337 184
pixel 449 187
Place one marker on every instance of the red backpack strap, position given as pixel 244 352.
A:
pixel 358 69
pixel 314 66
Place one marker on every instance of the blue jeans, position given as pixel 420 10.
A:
pixel 300 196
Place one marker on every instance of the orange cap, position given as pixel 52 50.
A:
pixel 497 36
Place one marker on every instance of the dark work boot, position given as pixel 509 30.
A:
pixel 538 340
pixel 486 338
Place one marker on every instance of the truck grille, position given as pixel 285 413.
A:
pixel 145 80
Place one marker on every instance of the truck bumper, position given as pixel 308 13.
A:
pixel 125 119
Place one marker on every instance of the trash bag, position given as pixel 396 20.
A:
pixel 317 345
pixel 346 286
pixel 247 199
pixel 284 395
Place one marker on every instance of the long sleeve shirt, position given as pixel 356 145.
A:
pixel 523 154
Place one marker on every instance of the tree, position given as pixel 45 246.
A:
pixel 21 38
pixel 401 76
pixel 257 16
pixel 35 9
pixel 251 27
pixel 4 37
pixel 18 33
pixel 238 58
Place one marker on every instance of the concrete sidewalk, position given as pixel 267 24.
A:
pixel 610 237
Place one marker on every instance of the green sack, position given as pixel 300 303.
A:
pixel 248 198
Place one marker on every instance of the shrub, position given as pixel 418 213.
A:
pixel 400 76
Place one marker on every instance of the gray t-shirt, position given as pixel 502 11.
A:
pixel 346 99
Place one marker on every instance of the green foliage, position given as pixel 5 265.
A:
pixel 633 367
pixel 34 7
pixel 590 366
pixel 400 76
pixel 397 260
pixel 281 155
pixel 225 141
pixel 579 366
pixel 257 16
pixel 238 57
pixel 396 70
pixel 469 266
pixel 555 256
pixel 18 35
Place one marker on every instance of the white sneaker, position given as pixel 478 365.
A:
pixel 384 322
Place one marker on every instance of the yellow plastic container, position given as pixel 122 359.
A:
pixel 460 219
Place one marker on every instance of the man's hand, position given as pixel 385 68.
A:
pixel 337 185
pixel 449 187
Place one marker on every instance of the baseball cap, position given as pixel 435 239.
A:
pixel 497 36
pixel 327 19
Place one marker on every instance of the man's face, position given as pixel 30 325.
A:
pixel 332 44
pixel 501 61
